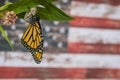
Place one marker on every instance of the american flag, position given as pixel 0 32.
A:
pixel 86 48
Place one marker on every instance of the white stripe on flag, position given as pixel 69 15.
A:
pixel 92 35
pixel 62 60
pixel 100 10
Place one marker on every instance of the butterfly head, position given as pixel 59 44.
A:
pixel 34 19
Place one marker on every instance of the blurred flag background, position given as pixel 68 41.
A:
pixel 86 48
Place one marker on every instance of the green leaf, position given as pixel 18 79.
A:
pixel 5 6
pixel 5 36
pixel 21 6
pixel 51 12
pixel 50 0
pixel 1 14
pixel 21 15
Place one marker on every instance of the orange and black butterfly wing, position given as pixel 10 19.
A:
pixel 32 39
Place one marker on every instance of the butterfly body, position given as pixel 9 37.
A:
pixel 32 39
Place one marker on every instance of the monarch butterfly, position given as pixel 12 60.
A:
pixel 32 39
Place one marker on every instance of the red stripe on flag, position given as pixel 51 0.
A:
pixel 103 73
pixel 111 2
pixel 42 73
pixel 95 22
pixel 76 47
pixel 61 73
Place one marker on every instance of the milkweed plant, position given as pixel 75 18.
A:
pixel 46 10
